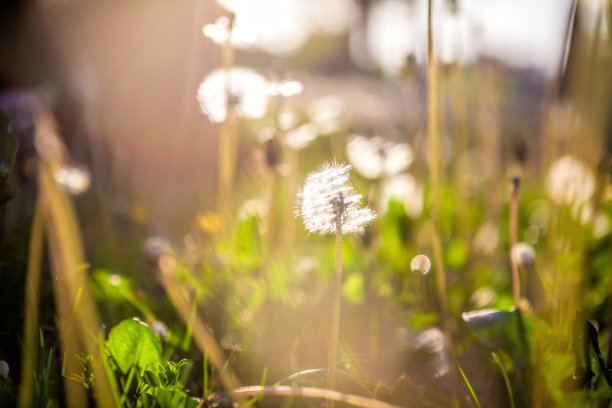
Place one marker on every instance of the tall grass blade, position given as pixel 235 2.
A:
pixel 71 283
pixel 30 327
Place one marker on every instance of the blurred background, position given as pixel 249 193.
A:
pixel 122 77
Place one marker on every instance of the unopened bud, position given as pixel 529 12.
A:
pixel 420 263
pixel 524 255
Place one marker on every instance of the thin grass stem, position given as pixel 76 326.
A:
pixel 310 392
pixel 434 160
pixel 516 284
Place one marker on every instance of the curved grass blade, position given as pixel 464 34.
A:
pixel 467 382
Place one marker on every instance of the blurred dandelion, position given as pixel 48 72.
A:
pixel 375 157
pixel 570 181
pixel 74 179
pixel 327 197
pixel 223 31
pixel 239 90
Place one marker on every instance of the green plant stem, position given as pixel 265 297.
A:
pixel 432 124
pixel 516 284
pixel 335 326
pixel 228 142
pixel 30 327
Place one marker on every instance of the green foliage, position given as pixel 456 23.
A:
pixel 132 344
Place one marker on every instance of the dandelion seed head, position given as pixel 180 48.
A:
pixel 327 197
pixel 239 89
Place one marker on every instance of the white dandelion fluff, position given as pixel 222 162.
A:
pixel 327 198
pixel 570 181
pixel 239 89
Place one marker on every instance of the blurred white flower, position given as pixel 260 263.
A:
pixel 238 89
pixel 375 157
pixel 327 197
pixel 223 30
pixel 405 188
pixel 285 88
pixel 570 181
pixel 74 179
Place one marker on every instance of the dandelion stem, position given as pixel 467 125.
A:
pixel 516 285
pixel 434 160
pixel 432 124
pixel 335 327
pixel 229 134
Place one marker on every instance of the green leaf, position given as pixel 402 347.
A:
pixel 131 343
pixel 512 332
pixel 498 329
pixel 175 399
pixel 151 379
pixel 590 363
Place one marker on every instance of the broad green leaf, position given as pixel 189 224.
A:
pixel 498 329
pixel 131 343
pixel 174 399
